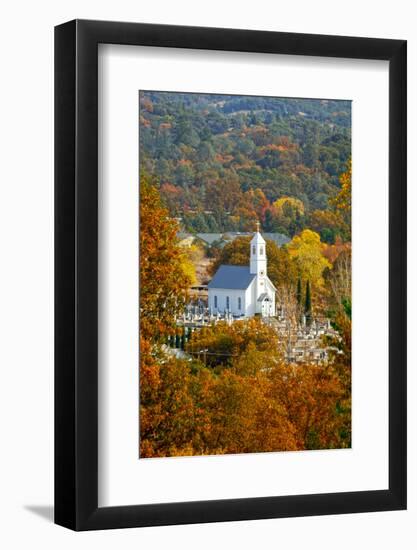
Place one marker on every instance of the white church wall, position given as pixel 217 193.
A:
pixel 250 300
pixel 271 292
pixel 222 294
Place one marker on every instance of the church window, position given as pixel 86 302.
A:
pixel 227 302
pixel 239 303
pixel 215 301
pixel 253 250
pixel 261 252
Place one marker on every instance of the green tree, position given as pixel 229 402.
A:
pixel 299 292
pixel 205 151
pixel 307 305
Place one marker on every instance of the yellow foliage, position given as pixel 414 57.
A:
pixel 306 249
pixel 188 269
pixel 342 202
pixel 285 204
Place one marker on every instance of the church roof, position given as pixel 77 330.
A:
pixel 232 277
pixel 210 238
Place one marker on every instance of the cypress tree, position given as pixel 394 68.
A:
pixel 299 297
pixel 268 223
pixel 307 308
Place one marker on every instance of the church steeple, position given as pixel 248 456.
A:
pixel 258 254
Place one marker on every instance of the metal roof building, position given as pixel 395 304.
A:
pixel 232 277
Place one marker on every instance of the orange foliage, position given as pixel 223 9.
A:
pixel 163 285
pixel 332 251
pixel 250 400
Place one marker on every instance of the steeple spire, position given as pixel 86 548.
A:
pixel 257 253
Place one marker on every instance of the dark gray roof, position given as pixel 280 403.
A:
pixel 278 238
pixel 232 277
pixel 209 238
pixel 232 235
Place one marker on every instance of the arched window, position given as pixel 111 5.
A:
pixel 228 301
pixel 215 301
pixel 261 251
pixel 239 303
pixel 253 250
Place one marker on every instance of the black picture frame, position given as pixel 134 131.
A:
pixel 76 273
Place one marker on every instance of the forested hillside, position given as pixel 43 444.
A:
pixel 223 162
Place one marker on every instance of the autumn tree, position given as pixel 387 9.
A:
pixel 289 206
pixel 218 344
pixel 342 202
pixel 163 279
pixel 310 395
pixel 244 215
pixel 193 410
pixel 172 420
pixel 259 201
pixel 173 197
pixel 327 223
pixel 285 214
pixel 235 252
pixel 338 286
pixel 251 401
pixel 243 417
pixel 306 250
pixel 332 251
pixel 258 402
pixel 336 220
pixel 222 197
pixel 291 311
pixel 188 267
pixel 340 352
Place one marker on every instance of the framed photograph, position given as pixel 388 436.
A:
pixel 230 252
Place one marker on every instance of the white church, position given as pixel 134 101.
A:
pixel 244 291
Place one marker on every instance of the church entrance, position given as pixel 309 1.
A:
pixel 266 307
